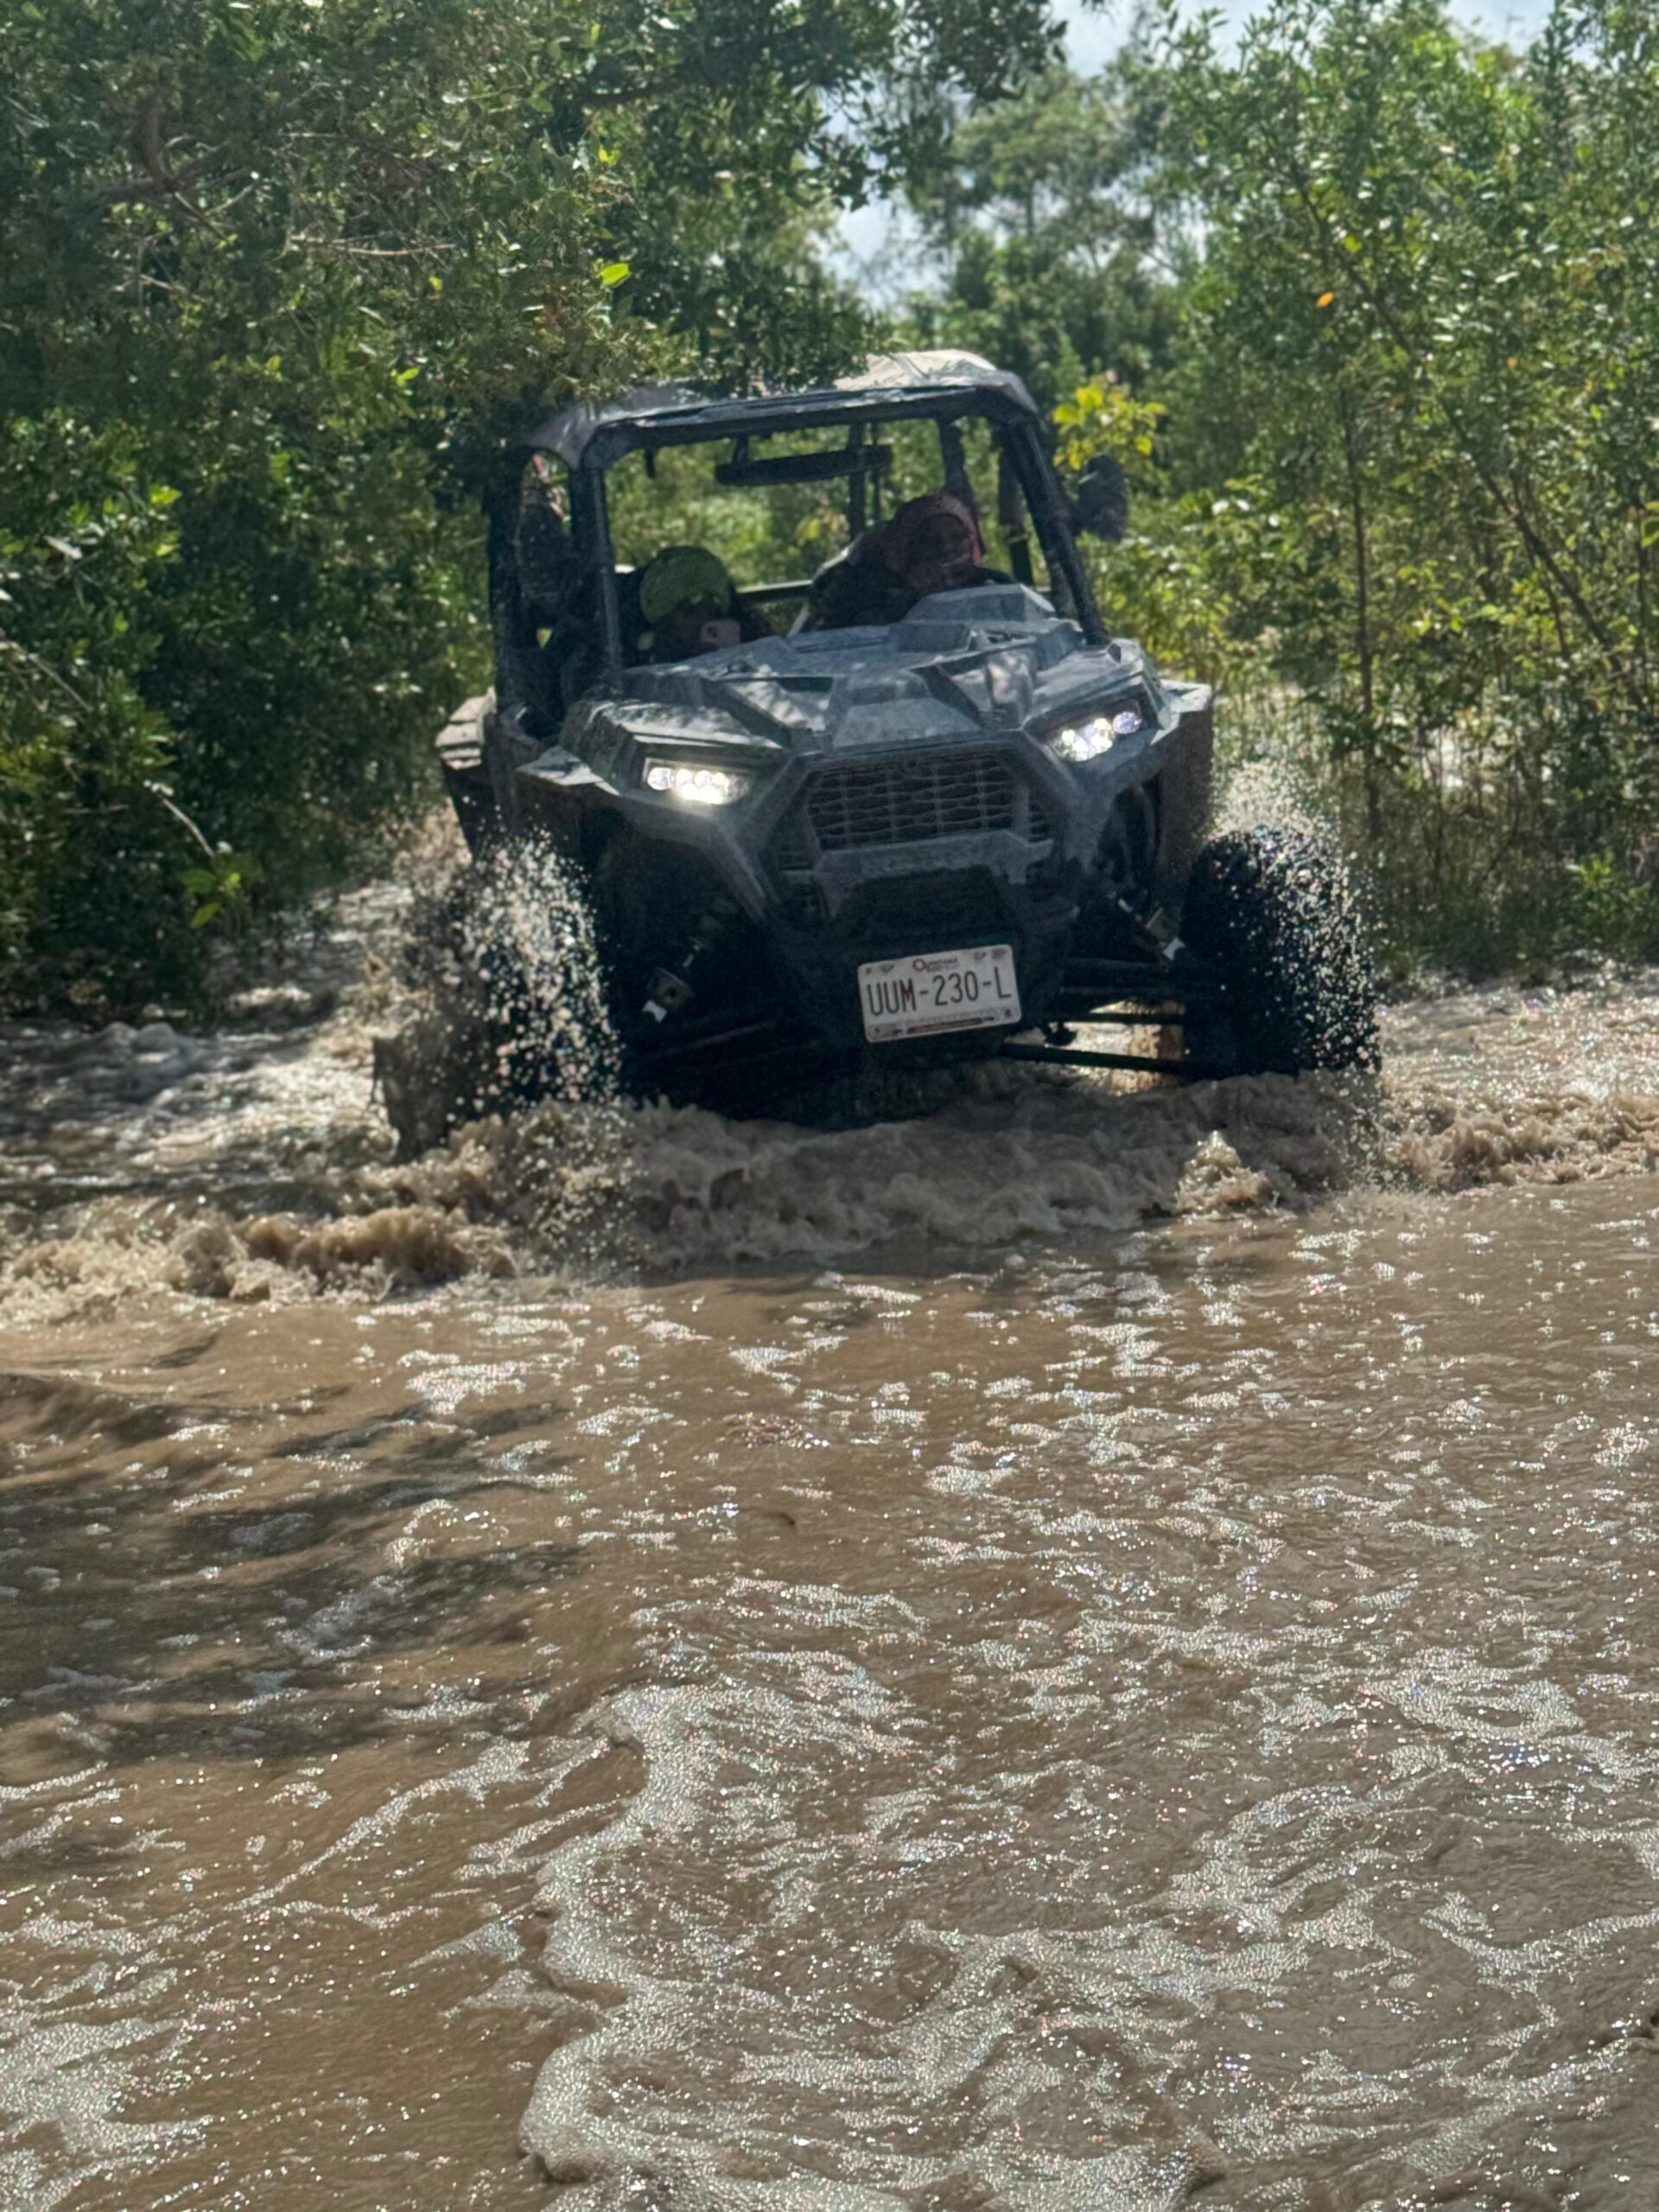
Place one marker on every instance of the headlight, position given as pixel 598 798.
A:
pixel 1088 740
pixel 695 782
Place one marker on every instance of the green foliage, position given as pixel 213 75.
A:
pixel 274 278
pixel 1053 261
pixel 222 885
pixel 1368 312
pixel 83 536
pixel 1407 470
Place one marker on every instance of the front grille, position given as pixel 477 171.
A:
pixel 891 803
pixel 792 849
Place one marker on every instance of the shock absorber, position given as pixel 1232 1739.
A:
pixel 672 989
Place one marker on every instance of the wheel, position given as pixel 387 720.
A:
pixel 1270 916
pixel 512 1003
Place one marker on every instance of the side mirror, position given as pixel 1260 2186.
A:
pixel 1101 506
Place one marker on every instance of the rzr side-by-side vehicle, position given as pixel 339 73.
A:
pixel 960 833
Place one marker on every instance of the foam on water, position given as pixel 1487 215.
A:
pixel 1197 1775
pixel 254 1165
pixel 1004 1728
pixel 1498 1087
pixel 1008 1660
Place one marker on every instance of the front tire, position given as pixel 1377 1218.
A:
pixel 1270 915
pixel 512 999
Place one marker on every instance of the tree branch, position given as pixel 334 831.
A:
pixel 1530 535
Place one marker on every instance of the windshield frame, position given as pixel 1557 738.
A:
pixel 1015 428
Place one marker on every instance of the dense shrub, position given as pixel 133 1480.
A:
pixel 1397 467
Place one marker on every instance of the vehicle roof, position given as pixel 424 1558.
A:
pixel 890 385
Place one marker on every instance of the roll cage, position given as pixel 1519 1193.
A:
pixel 590 443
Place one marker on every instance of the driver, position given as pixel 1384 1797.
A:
pixel 688 605
pixel 932 543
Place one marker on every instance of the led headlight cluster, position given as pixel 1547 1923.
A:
pixel 1086 740
pixel 695 782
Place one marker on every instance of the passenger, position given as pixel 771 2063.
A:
pixel 932 543
pixel 687 606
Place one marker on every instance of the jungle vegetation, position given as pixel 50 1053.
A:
pixel 1384 370
pixel 1369 310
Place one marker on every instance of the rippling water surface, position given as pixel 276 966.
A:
pixel 1077 1650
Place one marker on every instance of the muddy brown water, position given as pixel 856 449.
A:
pixel 1084 1651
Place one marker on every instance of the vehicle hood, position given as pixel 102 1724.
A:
pixel 995 660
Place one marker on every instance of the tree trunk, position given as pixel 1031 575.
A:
pixel 1364 644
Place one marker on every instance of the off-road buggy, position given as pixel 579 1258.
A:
pixel 961 834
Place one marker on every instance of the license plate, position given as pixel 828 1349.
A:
pixel 927 993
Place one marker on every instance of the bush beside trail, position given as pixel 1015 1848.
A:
pixel 1385 374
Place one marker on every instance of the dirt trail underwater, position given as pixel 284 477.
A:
pixel 1085 1648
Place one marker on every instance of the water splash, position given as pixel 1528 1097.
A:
pixel 509 1001
pixel 255 1165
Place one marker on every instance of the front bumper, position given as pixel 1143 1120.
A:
pixel 939 910
pixel 836 860
pixel 908 797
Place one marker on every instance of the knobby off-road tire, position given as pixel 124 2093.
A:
pixel 1270 914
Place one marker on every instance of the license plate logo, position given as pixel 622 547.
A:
pixel 930 993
